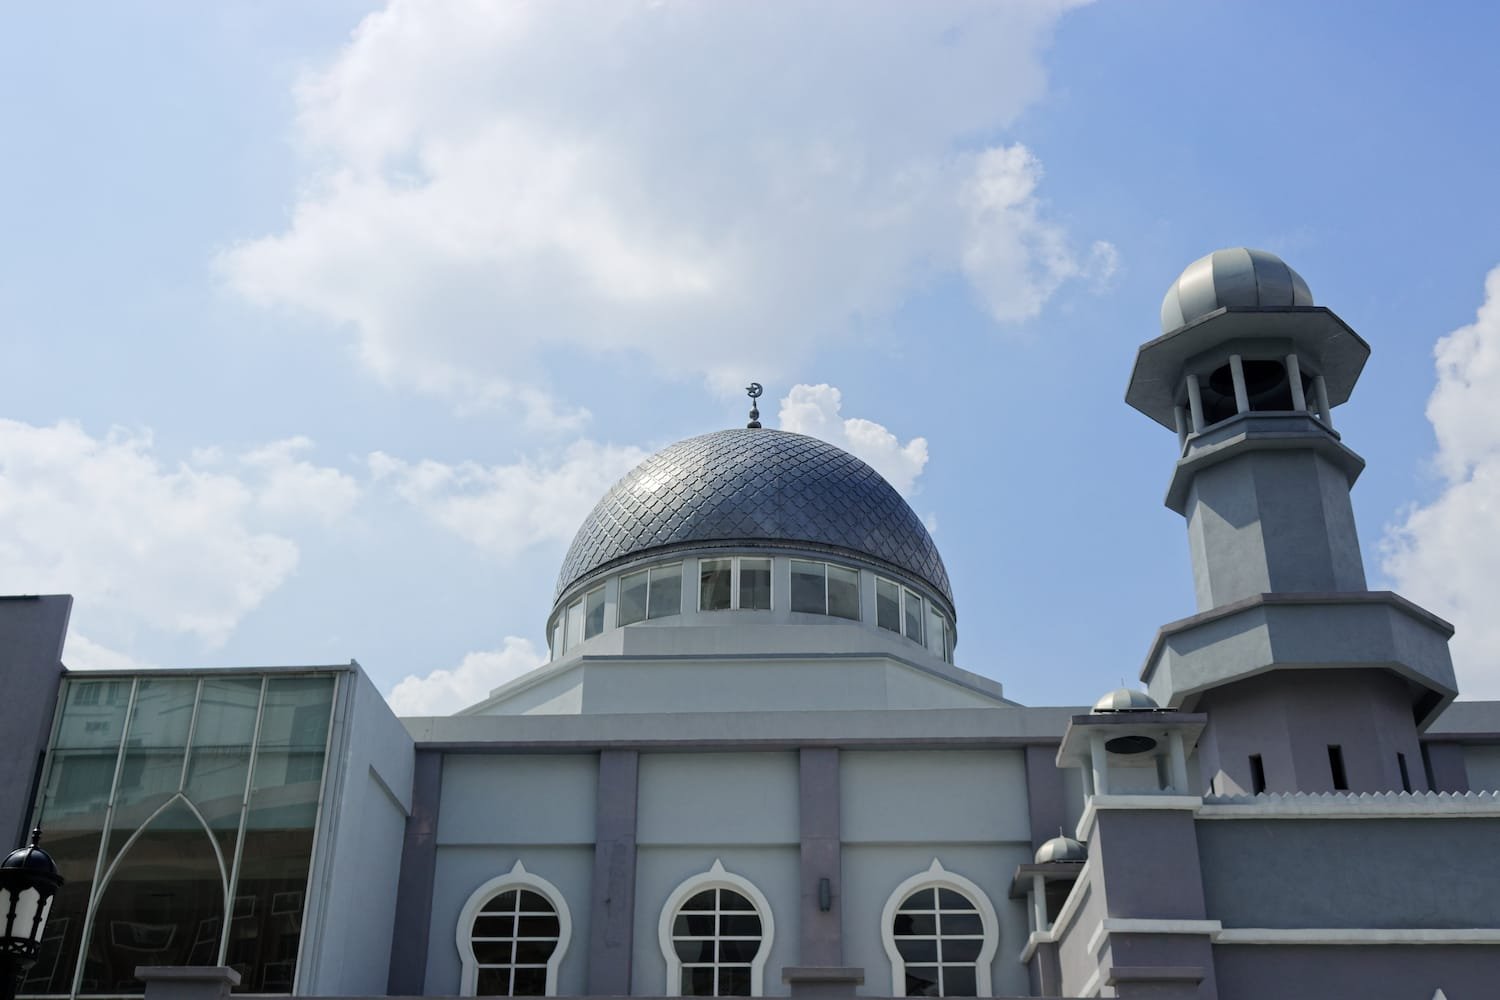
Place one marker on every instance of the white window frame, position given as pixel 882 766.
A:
pixel 715 878
pixel 734 582
pixel 859 589
pixel 936 876
pixel 517 878
pixel 904 592
pixel 650 571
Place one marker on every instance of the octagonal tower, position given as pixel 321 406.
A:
pixel 1311 681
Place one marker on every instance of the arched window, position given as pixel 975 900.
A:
pixel 940 932
pixel 716 932
pixel 512 935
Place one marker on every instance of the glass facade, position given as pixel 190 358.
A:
pixel 181 811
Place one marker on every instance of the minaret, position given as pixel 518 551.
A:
pixel 1311 682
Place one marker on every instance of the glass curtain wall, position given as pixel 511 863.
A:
pixel 181 811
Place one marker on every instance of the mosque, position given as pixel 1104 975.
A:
pixel 753 765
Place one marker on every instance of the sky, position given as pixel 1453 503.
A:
pixel 322 326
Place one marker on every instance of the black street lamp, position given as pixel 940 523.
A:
pixel 29 881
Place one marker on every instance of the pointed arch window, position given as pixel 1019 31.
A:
pixel 716 932
pixel 512 935
pixel 940 933
pixel 181 810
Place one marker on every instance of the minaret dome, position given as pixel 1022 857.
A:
pixel 1233 277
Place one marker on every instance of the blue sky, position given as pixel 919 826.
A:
pixel 324 324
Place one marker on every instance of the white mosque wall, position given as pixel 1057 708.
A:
pixel 352 889
pixel 902 809
pixel 495 810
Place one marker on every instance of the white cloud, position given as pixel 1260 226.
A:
pixel 293 487
pixel 712 186
pixel 1444 554
pixel 814 410
pixel 82 653
pixel 505 509
pixel 177 549
pixel 443 692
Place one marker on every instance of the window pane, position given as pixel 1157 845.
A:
pixel 843 592
pixel 493 983
pixel 962 923
pixel 738 951
pixel 633 598
pixel 914 923
pixel 713 584
pixel 666 592
pixel 922 899
pixel 922 981
pixel 530 983
pixel 503 903
pixel 535 927
pixel 731 900
pixel 534 952
pixel 734 981
pixel 961 949
pixel 888 605
pixel 496 926
pixel 690 950
pixel 593 613
pixel 493 952
pixel 913 617
pixel 808 587
pixel 574 634
pixel 702 901
pixel 917 949
pixel 959 982
pixel 698 982
pixel 950 900
pixel 693 925
pixel 755 584
pixel 533 902
pixel 746 925
pixel 557 637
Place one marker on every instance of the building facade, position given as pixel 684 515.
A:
pixel 753 767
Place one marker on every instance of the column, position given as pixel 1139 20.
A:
pixel 612 911
pixel 408 968
pixel 1237 373
pixel 1195 402
pixel 1294 378
pixel 820 972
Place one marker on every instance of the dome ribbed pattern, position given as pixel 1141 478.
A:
pixel 1234 277
pixel 756 487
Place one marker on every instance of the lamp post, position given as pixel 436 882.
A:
pixel 29 881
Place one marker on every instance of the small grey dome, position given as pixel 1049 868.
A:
pixel 1061 848
pixel 1234 277
pixel 754 487
pixel 1126 700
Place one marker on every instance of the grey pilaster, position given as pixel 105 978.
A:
pixel 32 631
pixel 408 971
pixel 822 932
pixel 611 924
pixel 1044 794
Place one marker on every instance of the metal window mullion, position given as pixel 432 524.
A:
pixel 109 818
pixel 239 836
pixel 187 750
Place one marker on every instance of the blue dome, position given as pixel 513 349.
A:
pixel 754 487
